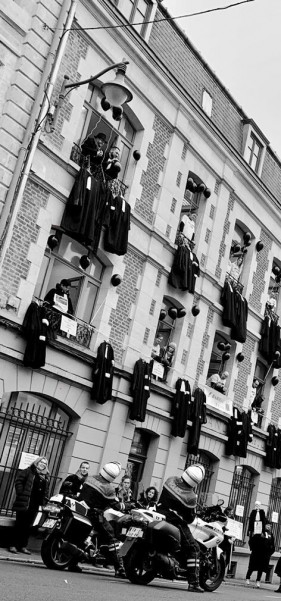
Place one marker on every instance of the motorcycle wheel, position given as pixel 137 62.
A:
pixel 211 578
pixel 52 554
pixel 138 566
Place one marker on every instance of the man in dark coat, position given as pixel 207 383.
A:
pixel 73 483
pixel 262 546
pixel 58 298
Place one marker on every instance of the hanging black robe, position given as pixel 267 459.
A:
pixel 102 374
pixel 140 389
pixel 239 433
pixel 35 329
pixel 198 417
pixel 117 221
pixel 181 405
pixel 271 447
pixel 84 213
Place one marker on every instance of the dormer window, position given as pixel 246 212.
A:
pixel 253 152
pixel 254 146
pixel 136 12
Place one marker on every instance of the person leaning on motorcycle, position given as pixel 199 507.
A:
pixel 99 493
pixel 178 503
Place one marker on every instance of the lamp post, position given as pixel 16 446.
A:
pixel 115 92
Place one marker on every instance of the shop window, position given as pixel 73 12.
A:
pixel 222 356
pixel 136 12
pixel 241 494
pixel 137 458
pixel 164 348
pixel 203 489
pixel 64 263
pixel 118 133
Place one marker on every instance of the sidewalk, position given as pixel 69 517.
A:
pixel 36 560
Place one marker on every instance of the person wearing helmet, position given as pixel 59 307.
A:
pixel 178 503
pixel 99 493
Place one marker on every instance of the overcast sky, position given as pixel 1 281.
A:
pixel 242 45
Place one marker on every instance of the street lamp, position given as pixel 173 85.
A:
pixel 115 92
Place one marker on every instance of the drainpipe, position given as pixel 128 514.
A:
pixel 30 143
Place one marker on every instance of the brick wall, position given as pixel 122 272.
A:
pixel 16 264
pixel 155 164
pixel 76 49
pixel 205 344
pixel 172 46
pixel 226 227
pixel 240 388
pixel 127 294
pixel 260 273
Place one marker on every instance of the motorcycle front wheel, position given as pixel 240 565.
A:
pixel 139 568
pixel 54 557
pixel 212 573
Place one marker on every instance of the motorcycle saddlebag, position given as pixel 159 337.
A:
pixel 75 528
pixel 165 537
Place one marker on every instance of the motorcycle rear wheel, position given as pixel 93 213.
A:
pixel 53 556
pixel 212 578
pixel 138 566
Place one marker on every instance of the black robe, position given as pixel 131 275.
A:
pixel 35 329
pixel 117 221
pixel 239 433
pixel 198 417
pixel 85 209
pixel 272 449
pixel 140 389
pixel 102 374
pixel 180 410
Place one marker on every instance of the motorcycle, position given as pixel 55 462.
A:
pixel 152 548
pixel 72 537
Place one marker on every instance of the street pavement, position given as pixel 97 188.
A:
pixel 35 560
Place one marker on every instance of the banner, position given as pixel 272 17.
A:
pixel 219 401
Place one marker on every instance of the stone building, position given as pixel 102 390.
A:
pixel 200 179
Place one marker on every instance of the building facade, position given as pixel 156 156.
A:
pixel 203 188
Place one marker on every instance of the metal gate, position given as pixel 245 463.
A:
pixel 241 494
pixel 275 506
pixel 29 424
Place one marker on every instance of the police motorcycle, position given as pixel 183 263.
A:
pixel 71 536
pixel 152 548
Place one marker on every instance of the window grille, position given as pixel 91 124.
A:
pixel 274 505
pixel 241 494
pixel 203 489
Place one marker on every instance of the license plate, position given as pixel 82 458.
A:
pixel 135 532
pixel 49 523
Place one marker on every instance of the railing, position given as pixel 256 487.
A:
pixel 236 285
pixel 117 186
pixel 82 331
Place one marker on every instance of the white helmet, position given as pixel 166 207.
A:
pixel 193 474
pixel 111 470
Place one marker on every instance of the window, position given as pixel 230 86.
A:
pixel 274 506
pixel 137 12
pixel 253 152
pixel 137 458
pixel 163 350
pixel 63 263
pixel 274 287
pixel 241 494
pixel 207 103
pixel 220 352
pixel 118 133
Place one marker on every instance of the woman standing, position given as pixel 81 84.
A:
pixel 262 547
pixel 31 486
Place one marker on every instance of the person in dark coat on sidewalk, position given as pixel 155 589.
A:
pixel 31 486
pixel 262 546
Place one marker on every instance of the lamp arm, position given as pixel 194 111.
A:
pixel 80 83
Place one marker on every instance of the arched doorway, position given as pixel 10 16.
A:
pixel 30 425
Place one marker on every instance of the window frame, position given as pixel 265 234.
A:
pixel 133 12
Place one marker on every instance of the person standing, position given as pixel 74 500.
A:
pixel 257 520
pixel 31 486
pixel 58 298
pixel 178 503
pixel 73 484
pixel 278 572
pixel 262 546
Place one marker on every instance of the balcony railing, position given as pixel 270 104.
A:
pixel 117 186
pixel 236 285
pixel 75 329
